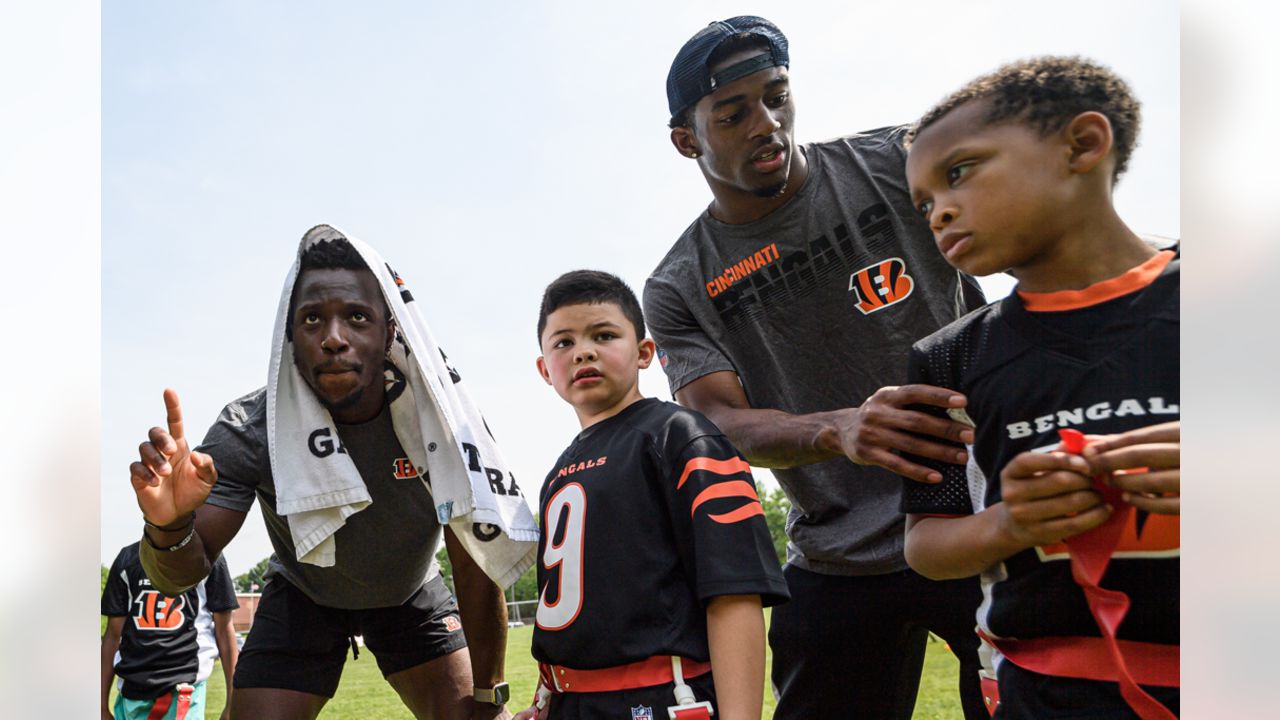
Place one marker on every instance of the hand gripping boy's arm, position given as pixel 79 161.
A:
pixel 1156 450
pixel 735 634
pixel 1045 497
pixel 868 434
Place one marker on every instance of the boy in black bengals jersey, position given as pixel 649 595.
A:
pixel 1014 172
pixel 162 648
pixel 655 557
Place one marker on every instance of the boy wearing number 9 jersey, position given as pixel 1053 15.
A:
pixel 655 560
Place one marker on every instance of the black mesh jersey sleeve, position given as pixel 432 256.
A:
pixel 934 366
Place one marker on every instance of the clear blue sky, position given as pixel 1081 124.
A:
pixel 483 148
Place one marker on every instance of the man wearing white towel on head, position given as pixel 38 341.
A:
pixel 363 450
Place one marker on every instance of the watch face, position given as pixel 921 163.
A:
pixel 497 695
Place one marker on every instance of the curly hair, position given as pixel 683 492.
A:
pixel 1047 92
pixel 331 253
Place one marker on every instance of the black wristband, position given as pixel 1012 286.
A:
pixel 191 519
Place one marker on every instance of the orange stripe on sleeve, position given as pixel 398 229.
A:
pixel 719 467
pixel 742 513
pixel 732 488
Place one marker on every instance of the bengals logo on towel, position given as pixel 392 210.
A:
pixel 880 285
pixel 403 469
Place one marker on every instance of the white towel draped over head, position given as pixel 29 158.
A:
pixel 435 421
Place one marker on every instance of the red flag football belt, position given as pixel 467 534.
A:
pixel 162 704
pixel 1090 553
pixel 645 673
pixel 1089 658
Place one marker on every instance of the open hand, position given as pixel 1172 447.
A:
pixel 1155 451
pixel 871 432
pixel 170 480
pixel 1046 497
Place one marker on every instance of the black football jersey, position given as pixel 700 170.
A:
pixel 1100 368
pixel 645 517
pixel 165 641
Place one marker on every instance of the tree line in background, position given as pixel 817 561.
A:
pixel 773 501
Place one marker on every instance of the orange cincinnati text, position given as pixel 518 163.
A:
pixel 741 269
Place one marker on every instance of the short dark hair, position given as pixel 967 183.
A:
pixel 332 254
pixel 1047 92
pixel 590 287
pixel 729 46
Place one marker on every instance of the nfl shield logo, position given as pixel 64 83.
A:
pixel 642 713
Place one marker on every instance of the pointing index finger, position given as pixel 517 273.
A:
pixel 173 413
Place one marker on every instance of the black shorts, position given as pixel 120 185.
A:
pixel 1027 694
pixel 296 644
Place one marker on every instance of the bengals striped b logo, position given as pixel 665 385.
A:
pixel 158 612
pixel 403 469
pixel 880 285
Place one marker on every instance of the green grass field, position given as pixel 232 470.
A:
pixel 364 695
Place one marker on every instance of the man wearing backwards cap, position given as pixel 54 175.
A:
pixel 785 313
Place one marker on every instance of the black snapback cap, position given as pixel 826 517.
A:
pixel 690 79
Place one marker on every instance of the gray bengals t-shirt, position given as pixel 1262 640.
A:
pixel 385 552
pixel 815 307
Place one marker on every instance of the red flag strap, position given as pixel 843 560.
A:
pixel 1090 555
